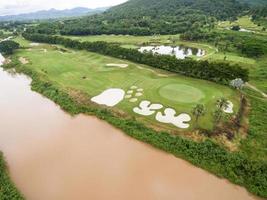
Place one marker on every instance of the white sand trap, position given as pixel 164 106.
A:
pixel 146 108
pixel 230 108
pixel 134 87
pixel 117 65
pixel 139 94
pixel 140 90
pixel 169 117
pixel 34 44
pixel 130 91
pixel 132 100
pixel 128 96
pixel 109 97
pixel 23 60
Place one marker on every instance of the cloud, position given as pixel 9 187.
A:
pixel 11 7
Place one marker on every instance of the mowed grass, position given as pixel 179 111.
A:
pixel 244 22
pixel 87 72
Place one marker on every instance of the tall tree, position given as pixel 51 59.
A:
pixel 198 111
pixel 222 103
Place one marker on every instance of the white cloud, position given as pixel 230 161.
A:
pixel 10 7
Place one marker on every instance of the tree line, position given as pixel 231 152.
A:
pixel 219 72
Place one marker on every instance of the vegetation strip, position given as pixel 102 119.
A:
pixel 8 190
pixel 235 166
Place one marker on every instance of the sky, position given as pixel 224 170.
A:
pixel 12 7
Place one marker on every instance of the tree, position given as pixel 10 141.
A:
pixel 217 116
pixel 236 28
pixel 237 83
pixel 198 111
pixel 222 103
pixel 8 46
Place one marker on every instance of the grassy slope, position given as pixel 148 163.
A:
pixel 244 22
pixel 68 69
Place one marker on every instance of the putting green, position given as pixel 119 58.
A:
pixel 181 93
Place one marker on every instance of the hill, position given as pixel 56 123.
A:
pixel 52 14
pixel 147 17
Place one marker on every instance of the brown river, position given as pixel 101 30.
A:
pixel 53 156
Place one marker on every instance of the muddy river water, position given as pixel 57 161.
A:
pixel 53 156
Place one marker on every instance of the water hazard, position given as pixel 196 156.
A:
pixel 181 52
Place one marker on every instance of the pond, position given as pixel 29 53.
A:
pixel 180 52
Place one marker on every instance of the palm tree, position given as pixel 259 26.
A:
pixel 217 115
pixel 222 103
pixel 198 111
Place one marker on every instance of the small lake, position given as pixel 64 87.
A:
pixel 53 156
pixel 180 52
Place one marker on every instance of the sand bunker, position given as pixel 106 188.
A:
pixel 138 94
pixel 34 44
pixel 23 60
pixel 128 96
pixel 133 100
pixel 230 108
pixel 146 108
pixel 134 87
pixel 130 92
pixel 140 90
pixel 169 117
pixel 109 97
pixel 117 65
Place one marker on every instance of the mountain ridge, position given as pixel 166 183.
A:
pixel 53 14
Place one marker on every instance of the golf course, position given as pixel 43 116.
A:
pixel 91 74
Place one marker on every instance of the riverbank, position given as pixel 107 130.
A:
pixel 82 157
pixel 8 190
pixel 207 154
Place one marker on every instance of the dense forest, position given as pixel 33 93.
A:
pixel 254 2
pixel 259 15
pixel 147 17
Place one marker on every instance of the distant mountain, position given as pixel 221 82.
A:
pixel 53 14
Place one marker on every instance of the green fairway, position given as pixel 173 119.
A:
pixel 89 73
pixel 257 66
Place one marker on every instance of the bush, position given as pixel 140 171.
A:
pixel 8 46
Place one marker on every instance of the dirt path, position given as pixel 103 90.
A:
pixel 256 89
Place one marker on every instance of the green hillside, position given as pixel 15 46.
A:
pixel 147 17
pixel 254 2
